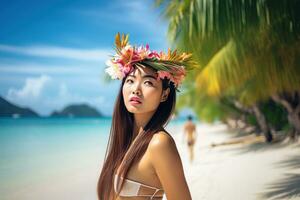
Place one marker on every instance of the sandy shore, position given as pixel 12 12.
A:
pixel 229 172
pixel 239 171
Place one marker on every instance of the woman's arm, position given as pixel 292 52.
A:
pixel 167 164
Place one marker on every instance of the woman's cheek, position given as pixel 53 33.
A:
pixel 150 92
pixel 125 95
pixel 154 96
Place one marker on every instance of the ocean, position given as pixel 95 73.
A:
pixel 53 158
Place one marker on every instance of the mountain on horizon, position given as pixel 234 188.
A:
pixel 79 110
pixel 8 109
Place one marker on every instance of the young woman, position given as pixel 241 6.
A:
pixel 141 160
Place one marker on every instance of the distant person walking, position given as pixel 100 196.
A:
pixel 190 133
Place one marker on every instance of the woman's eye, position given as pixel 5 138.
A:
pixel 129 81
pixel 149 83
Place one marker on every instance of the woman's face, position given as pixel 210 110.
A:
pixel 142 92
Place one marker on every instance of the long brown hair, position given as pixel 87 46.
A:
pixel 121 138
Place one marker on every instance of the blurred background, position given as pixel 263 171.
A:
pixel 56 104
pixel 53 53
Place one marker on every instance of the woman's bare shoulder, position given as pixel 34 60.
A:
pixel 161 141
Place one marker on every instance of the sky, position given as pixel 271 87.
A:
pixel 53 53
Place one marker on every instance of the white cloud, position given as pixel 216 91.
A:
pixel 63 90
pixel 64 97
pixel 31 90
pixel 58 52
pixel 44 95
pixel 40 68
pixel 67 97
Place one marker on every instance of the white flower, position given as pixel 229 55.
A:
pixel 113 70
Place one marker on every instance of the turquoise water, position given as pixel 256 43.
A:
pixel 32 150
pixel 35 151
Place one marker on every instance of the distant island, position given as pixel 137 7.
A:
pixel 80 110
pixel 8 109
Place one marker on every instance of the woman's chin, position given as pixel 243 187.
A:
pixel 133 109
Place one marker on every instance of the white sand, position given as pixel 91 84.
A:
pixel 239 171
pixel 234 172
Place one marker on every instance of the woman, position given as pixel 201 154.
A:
pixel 142 161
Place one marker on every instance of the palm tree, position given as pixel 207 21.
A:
pixel 249 44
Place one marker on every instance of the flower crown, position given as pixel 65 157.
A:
pixel 169 65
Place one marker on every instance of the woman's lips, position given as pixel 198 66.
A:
pixel 135 102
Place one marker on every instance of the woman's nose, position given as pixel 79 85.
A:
pixel 136 90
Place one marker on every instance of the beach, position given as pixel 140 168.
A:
pixel 61 160
pixel 254 171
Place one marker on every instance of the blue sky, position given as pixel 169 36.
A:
pixel 52 53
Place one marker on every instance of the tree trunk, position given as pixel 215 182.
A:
pixel 262 122
pixel 294 120
pixel 292 105
pixel 260 118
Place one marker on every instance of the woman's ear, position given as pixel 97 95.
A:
pixel 165 95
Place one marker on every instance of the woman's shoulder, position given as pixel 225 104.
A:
pixel 161 141
pixel 162 151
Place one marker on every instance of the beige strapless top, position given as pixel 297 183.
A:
pixel 131 188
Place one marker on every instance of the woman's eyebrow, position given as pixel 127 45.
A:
pixel 144 76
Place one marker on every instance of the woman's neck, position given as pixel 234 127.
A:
pixel 140 121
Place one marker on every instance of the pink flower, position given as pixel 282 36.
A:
pixel 154 54
pixel 122 63
pixel 178 75
pixel 126 68
pixel 142 52
pixel 163 74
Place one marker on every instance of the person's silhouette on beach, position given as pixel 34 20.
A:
pixel 190 133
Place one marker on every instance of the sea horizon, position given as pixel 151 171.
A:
pixel 39 151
